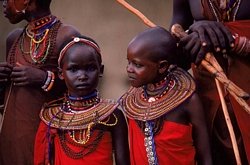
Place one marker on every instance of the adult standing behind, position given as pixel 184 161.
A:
pixel 29 75
pixel 212 25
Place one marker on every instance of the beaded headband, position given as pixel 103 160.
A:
pixel 77 40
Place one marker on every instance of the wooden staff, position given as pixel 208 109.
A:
pixel 224 107
pixel 5 106
pixel 216 70
pixel 211 64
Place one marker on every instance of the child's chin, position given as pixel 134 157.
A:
pixel 135 85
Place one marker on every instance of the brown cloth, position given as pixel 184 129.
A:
pixel 22 114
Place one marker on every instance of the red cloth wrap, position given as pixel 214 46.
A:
pixel 239 73
pixel 237 70
pixel 101 155
pixel 174 144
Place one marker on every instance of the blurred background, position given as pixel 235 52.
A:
pixel 111 25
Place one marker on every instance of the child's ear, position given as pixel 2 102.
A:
pixel 163 66
pixel 101 71
pixel 60 74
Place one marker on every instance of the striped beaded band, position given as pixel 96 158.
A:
pixel 136 107
pixel 76 40
pixel 56 117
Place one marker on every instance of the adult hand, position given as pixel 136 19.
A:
pixel 220 37
pixel 26 75
pixel 192 45
pixel 5 71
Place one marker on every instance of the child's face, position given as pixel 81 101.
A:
pixel 81 70
pixel 141 70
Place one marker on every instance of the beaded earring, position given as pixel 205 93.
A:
pixel 23 11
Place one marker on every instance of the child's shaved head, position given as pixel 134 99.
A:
pixel 156 44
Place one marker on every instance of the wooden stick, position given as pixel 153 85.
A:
pixel 229 123
pixel 178 31
pixel 231 131
pixel 218 72
pixel 136 12
pixel 5 106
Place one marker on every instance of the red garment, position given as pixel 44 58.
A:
pixel 174 144
pixel 241 66
pixel 101 155
pixel 237 70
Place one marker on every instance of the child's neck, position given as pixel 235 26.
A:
pixel 81 103
pixel 155 91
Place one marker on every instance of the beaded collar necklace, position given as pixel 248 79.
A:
pixel 224 10
pixel 148 111
pixel 75 104
pixel 77 115
pixel 75 119
pixel 136 107
pixel 154 92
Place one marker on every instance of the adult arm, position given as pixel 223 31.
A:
pixel 200 132
pixel 120 140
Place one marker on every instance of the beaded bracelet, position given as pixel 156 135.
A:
pixel 49 81
pixel 242 45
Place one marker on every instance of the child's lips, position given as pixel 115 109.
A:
pixel 82 85
pixel 131 78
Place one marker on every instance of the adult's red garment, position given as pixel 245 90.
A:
pixel 101 155
pixel 237 70
pixel 174 144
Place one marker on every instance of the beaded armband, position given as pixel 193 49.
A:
pixel 49 81
pixel 242 45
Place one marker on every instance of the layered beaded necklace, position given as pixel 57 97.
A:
pixel 75 119
pixel 40 35
pixel 148 106
pixel 224 10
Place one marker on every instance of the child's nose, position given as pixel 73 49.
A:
pixel 129 68
pixel 82 75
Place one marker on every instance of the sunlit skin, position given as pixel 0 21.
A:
pixel 149 56
pixel 144 64
pixel 12 10
pixel 141 70
pixel 81 71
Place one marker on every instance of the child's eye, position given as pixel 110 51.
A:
pixel 72 69
pixel 137 65
pixel 91 68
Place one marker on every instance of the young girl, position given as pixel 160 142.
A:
pixel 165 117
pixel 81 127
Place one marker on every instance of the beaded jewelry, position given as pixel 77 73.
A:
pixel 71 115
pixel 40 39
pixel 148 106
pixel 75 119
pixel 49 81
pixel 18 11
pixel 181 86
pixel 150 144
pixel 226 10
pixel 85 148
pixel 77 40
